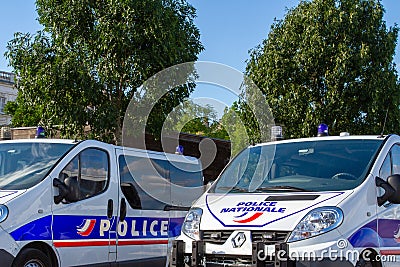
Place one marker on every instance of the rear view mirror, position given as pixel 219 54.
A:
pixel 68 190
pixel 62 189
pixel 394 182
pixel 391 188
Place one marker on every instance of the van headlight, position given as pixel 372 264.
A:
pixel 3 213
pixel 316 222
pixel 191 225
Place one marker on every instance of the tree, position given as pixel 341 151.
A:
pixel 330 61
pixel 91 57
pixel 233 122
pixel 193 118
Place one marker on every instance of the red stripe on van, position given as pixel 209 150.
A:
pixel 89 243
pixel 250 219
pixel 141 242
pixel 390 252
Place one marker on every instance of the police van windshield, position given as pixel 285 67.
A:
pixel 299 166
pixel 23 165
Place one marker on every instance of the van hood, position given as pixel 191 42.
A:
pixel 7 195
pixel 262 211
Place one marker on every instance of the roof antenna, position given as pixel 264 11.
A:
pixel 384 123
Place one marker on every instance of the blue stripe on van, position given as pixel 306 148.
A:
pixel 68 227
pixel 39 229
pixel 377 233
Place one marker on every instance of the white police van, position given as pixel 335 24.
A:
pixel 67 203
pixel 322 201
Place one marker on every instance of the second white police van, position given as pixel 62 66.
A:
pixel 67 203
pixel 321 201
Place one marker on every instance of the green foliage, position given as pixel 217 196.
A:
pixel 193 118
pixel 87 63
pixel 330 61
pixel 20 116
pixel 233 123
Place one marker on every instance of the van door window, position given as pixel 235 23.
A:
pixel 396 159
pixel 391 165
pixel 186 174
pixel 133 169
pixel 386 168
pixel 187 179
pixel 86 174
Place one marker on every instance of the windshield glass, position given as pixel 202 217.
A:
pixel 299 166
pixel 23 165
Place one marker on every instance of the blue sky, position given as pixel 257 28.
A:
pixel 229 29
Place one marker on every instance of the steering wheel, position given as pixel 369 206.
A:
pixel 344 175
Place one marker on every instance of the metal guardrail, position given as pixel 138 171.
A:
pixel 7 77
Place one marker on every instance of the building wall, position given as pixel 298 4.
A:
pixel 8 92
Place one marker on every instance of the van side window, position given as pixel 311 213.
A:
pixel 396 159
pixel 190 177
pixel 87 173
pixel 391 165
pixel 186 174
pixel 386 169
pixel 133 169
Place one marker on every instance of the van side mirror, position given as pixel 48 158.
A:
pixel 391 188
pixel 69 189
pixel 394 182
pixel 62 189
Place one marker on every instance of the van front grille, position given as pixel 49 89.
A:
pixel 216 237
pixel 269 237
pixel 266 237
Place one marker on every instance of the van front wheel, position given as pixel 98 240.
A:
pixel 31 257
pixel 368 258
pixel 364 263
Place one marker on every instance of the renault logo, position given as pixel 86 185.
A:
pixel 238 240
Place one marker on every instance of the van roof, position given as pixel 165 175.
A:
pixel 41 140
pixel 171 156
pixel 324 138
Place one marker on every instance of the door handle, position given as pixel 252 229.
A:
pixel 122 212
pixel 110 207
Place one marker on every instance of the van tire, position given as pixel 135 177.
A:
pixel 364 263
pixel 31 257
pixel 368 259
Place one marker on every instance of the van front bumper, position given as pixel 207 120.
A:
pixel 198 257
pixel 6 259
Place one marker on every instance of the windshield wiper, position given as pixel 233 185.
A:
pixel 281 188
pixel 233 189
